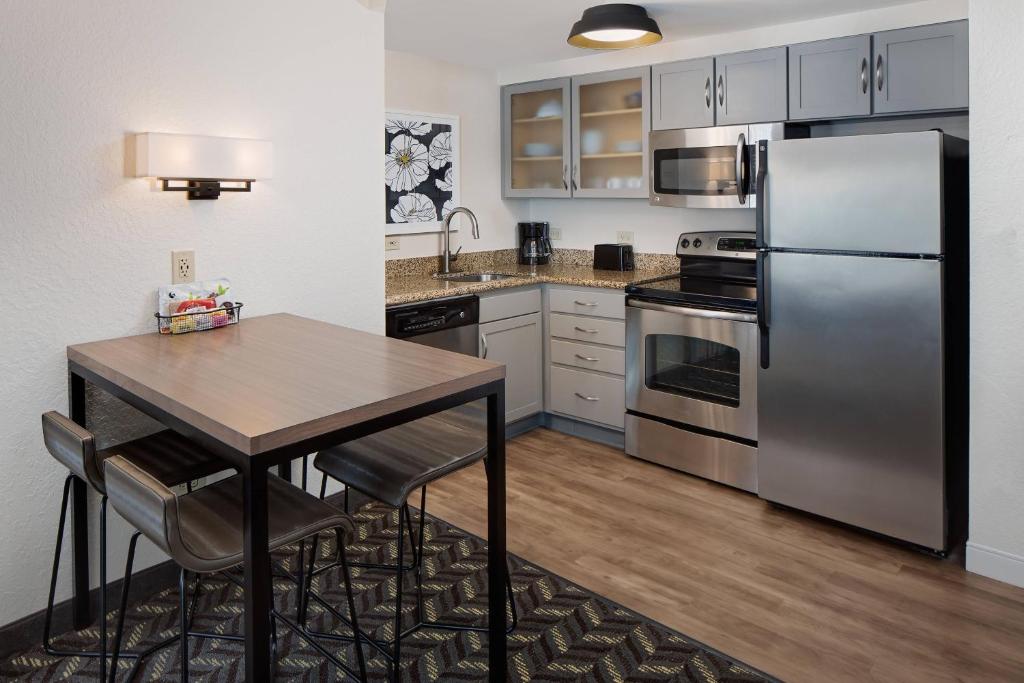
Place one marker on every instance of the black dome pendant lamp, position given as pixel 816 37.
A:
pixel 613 27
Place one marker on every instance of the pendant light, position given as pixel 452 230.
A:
pixel 613 27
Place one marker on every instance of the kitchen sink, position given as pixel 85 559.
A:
pixel 475 277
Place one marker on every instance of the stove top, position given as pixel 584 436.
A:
pixel 698 292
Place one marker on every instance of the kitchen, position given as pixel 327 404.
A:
pixel 749 300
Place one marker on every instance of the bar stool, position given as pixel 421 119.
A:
pixel 170 457
pixel 202 533
pixel 388 467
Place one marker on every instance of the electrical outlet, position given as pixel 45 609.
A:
pixel 182 489
pixel 624 237
pixel 183 267
pixel 555 233
pixel 392 242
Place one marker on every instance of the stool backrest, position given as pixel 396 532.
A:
pixel 144 502
pixel 73 446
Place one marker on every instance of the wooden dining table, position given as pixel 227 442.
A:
pixel 274 388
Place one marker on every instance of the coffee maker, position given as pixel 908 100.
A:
pixel 534 244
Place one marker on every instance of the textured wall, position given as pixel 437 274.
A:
pixel 83 248
pixel 996 546
pixel 415 83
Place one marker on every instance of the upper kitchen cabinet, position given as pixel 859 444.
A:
pixel 921 69
pixel 536 136
pixel 830 79
pixel 750 87
pixel 611 122
pixel 682 94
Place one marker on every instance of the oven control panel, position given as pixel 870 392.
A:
pixel 717 244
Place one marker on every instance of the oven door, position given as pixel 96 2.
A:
pixel 693 366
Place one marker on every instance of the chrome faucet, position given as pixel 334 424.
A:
pixel 447 256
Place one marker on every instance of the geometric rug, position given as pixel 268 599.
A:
pixel 565 633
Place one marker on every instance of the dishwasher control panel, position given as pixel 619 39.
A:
pixel 410 320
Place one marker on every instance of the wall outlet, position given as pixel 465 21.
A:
pixel 555 233
pixel 624 237
pixel 392 242
pixel 183 267
pixel 182 489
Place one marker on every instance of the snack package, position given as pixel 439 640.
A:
pixel 180 304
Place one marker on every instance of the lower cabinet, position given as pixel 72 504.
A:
pixel 517 342
pixel 593 397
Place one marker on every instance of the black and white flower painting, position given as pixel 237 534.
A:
pixel 420 171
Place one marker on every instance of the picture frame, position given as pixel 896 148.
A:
pixel 422 170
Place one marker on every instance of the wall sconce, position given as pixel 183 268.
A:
pixel 202 162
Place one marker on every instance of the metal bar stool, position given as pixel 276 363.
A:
pixel 389 466
pixel 170 457
pixel 202 533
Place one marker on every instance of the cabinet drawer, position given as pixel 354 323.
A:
pixel 611 332
pixel 588 357
pixel 604 304
pixel 597 398
pixel 503 305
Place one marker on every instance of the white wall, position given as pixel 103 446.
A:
pixel 588 222
pixel 415 83
pixel 996 546
pixel 84 248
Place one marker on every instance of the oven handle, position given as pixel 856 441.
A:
pixel 694 312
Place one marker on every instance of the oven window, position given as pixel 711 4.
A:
pixel 708 171
pixel 693 367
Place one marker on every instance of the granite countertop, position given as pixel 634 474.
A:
pixel 403 289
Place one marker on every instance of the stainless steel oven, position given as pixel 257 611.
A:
pixel 693 366
pixel 708 168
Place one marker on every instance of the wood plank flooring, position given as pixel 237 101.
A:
pixel 795 596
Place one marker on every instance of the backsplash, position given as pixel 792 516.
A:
pixel 497 259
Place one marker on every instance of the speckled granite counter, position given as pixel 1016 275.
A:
pixel 402 289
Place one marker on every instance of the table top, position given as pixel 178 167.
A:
pixel 275 380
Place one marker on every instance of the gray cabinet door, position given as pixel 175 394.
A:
pixel 921 69
pixel 535 139
pixel 682 94
pixel 516 342
pixel 750 87
pixel 830 78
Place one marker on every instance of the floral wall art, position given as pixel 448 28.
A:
pixel 421 166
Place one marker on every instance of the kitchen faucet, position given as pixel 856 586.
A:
pixel 448 256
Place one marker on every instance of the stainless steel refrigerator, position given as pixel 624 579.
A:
pixel 863 322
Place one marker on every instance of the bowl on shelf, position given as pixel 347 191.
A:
pixel 539 149
pixel 633 100
pixel 635 182
pixel 549 109
pixel 592 141
pixel 629 146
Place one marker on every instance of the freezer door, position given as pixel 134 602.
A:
pixel 850 409
pixel 865 193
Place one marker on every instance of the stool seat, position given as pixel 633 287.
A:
pixel 390 465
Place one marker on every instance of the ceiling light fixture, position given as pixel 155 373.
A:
pixel 613 27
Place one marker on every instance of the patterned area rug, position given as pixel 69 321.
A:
pixel 565 633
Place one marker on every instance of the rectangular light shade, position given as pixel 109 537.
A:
pixel 194 157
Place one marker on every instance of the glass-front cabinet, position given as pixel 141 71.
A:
pixel 611 122
pixel 584 137
pixel 536 146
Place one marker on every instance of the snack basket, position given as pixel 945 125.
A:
pixel 199 320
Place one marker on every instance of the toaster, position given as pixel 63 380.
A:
pixel 613 257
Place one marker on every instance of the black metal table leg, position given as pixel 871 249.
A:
pixel 497 569
pixel 284 470
pixel 80 607
pixel 257 574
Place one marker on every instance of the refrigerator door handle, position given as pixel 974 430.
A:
pixel 762 173
pixel 763 294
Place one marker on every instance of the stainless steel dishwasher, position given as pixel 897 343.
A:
pixel 450 324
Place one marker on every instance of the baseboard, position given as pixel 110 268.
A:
pixel 585 430
pixel 995 564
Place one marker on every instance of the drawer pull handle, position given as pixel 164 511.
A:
pixel 590 359
pixel 589 304
pixel 586 398
pixel 583 329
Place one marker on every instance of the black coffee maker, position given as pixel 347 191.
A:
pixel 534 244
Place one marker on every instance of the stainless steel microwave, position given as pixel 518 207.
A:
pixel 709 168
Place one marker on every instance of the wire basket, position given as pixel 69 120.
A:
pixel 197 321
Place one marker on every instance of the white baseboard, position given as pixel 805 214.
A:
pixel 995 564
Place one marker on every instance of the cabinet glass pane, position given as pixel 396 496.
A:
pixel 611 135
pixel 693 367
pixel 536 140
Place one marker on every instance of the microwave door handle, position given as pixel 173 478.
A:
pixel 762 199
pixel 741 172
pixel 763 312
